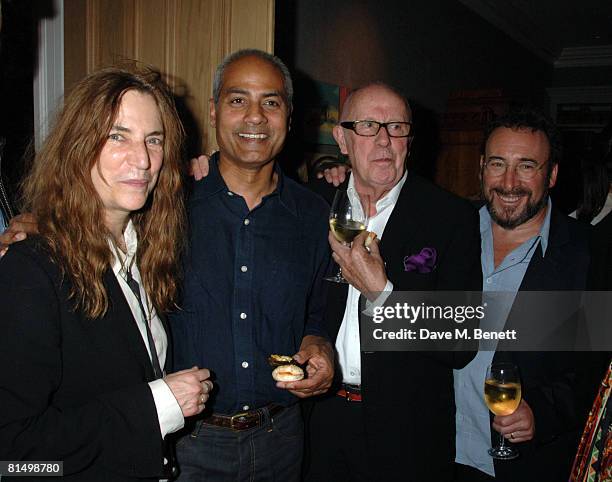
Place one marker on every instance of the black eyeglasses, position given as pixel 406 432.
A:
pixel 370 128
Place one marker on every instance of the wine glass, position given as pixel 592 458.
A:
pixel 502 393
pixel 346 221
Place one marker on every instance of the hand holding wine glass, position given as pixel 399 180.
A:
pixel 502 392
pixel 347 219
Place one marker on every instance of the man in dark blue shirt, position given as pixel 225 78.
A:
pixel 253 284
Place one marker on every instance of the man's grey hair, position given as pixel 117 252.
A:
pixel 272 59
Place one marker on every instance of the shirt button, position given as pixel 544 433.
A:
pixel 243 269
pixel 245 364
pixel 352 373
pixel 489 280
pixel 242 316
pixel 230 193
pixel 247 222
pixel 246 407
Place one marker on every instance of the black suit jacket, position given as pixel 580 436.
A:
pixel 600 273
pixel 408 396
pixel 558 386
pixel 73 389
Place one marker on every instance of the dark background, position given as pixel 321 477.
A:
pixel 428 49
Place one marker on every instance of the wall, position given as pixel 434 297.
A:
pixel 579 76
pixel 18 43
pixel 427 48
pixel 185 39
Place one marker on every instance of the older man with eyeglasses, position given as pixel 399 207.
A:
pixel 390 415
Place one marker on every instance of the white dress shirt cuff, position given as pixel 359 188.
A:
pixel 169 412
pixel 379 301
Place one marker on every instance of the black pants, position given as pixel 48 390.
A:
pixel 337 442
pixel 465 473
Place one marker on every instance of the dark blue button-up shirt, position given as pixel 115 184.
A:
pixel 253 286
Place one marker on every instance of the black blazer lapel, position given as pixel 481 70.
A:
pixel 123 321
pixel 397 237
pixel 552 271
pixel 545 272
pixel 169 351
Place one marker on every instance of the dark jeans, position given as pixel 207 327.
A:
pixel 271 452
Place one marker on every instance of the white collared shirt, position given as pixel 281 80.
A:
pixel 169 412
pixel 348 342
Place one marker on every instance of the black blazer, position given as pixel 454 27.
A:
pixel 408 396
pixel 558 386
pixel 73 389
pixel 600 273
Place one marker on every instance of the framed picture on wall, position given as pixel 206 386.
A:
pixel 322 108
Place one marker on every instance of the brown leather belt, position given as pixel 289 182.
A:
pixel 243 420
pixel 351 393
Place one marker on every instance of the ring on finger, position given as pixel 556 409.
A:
pixel 202 399
pixel 512 435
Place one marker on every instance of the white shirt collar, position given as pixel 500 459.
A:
pixel 122 261
pixel 388 200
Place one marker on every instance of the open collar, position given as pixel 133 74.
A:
pixel 214 184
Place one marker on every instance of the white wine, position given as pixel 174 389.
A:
pixel 346 231
pixel 502 398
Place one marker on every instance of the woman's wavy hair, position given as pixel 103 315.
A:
pixel 59 191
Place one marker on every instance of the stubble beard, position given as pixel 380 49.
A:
pixel 508 218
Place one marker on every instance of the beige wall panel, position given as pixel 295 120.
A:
pixel 75 52
pixel 151 32
pixel 252 24
pixel 185 39
pixel 110 32
pixel 199 47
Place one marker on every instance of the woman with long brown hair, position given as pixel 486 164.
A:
pixel 83 341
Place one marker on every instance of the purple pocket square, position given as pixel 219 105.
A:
pixel 424 262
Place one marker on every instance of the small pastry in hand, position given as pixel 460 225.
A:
pixel 288 373
pixel 278 360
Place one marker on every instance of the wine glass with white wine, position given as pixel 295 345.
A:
pixel 502 393
pixel 347 221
